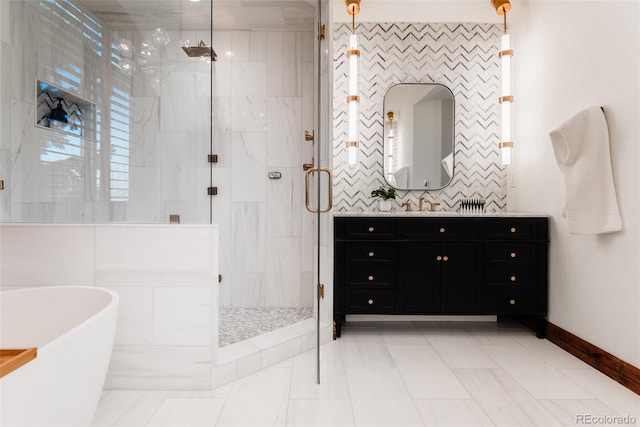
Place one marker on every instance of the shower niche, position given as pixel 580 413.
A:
pixel 63 111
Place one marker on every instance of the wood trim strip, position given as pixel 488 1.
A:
pixel 605 362
pixel 11 359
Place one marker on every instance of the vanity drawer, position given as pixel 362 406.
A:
pixel 369 228
pixel 374 301
pixel 512 228
pixel 370 275
pixel 511 253
pixel 514 277
pixel 506 301
pixel 376 252
pixel 440 228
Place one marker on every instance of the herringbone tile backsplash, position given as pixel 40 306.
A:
pixel 463 57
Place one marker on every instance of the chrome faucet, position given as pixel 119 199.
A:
pixel 422 201
pixel 407 206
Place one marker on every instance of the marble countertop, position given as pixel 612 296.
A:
pixel 442 214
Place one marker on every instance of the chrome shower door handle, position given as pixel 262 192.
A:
pixel 307 190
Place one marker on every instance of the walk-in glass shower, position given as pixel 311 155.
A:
pixel 177 111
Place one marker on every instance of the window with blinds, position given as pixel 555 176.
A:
pixel 95 166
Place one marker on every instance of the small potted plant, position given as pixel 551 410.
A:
pixel 385 194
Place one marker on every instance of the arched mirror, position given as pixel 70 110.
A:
pixel 419 136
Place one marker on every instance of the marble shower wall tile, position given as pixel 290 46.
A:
pixel 144 194
pixel 248 96
pixel 145 131
pixel 248 167
pixel 159 368
pixel 182 316
pixel 247 289
pixel 178 93
pixel 177 175
pixel 284 63
pixel 284 203
pixel 135 315
pixel 153 256
pixel 41 255
pixel 248 222
pixel 285 136
pixel 283 272
pixel 221 116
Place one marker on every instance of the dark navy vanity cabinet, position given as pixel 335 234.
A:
pixel 441 265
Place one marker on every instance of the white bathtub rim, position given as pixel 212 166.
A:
pixel 113 304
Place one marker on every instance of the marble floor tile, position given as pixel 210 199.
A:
pixel 188 412
pixel 425 373
pixel 303 413
pixel 259 399
pixel 391 374
pixel 128 407
pixel 380 398
pixel 452 413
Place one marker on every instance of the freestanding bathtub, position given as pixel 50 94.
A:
pixel 73 328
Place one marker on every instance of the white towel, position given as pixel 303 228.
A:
pixel 581 147
pixel 447 164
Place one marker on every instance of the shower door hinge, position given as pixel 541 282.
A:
pixel 212 191
pixel 212 158
pixel 321 290
pixel 323 32
pixel 1 184
pixel 219 278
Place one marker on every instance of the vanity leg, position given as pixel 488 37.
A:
pixel 541 326
pixel 337 327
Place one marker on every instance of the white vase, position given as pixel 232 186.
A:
pixel 384 205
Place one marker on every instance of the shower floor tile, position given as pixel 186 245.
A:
pixel 241 323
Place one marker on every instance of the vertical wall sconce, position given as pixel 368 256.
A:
pixel 506 98
pixel 392 133
pixel 353 7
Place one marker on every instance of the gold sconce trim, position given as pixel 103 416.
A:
pixel 508 144
pixel 353 98
pixel 508 98
pixel 501 6
pixel 353 6
pixel 351 52
pixel 508 52
pixel 352 144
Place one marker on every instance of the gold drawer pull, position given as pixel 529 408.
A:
pixel 512 302
pixel 438 258
pixel 513 229
pixel 370 302
pixel 512 254
pixel 442 230
pixel 513 278
pixel 445 258
pixel 371 229
pixel 370 278
pixel 371 254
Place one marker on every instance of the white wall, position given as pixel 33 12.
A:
pixel 569 56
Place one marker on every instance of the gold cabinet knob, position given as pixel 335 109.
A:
pixel 512 302
pixel 445 258
pixel 371 254
pixel 370 278
pixel 512 254
pixel 438 258
pixel 370 302
pixel 513 278
pixel 371 229
pixel 442 230
pixel 513 229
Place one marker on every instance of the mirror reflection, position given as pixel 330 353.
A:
pixel 419 136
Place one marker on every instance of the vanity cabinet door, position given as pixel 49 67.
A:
pixel 418 283
pixel 461 277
